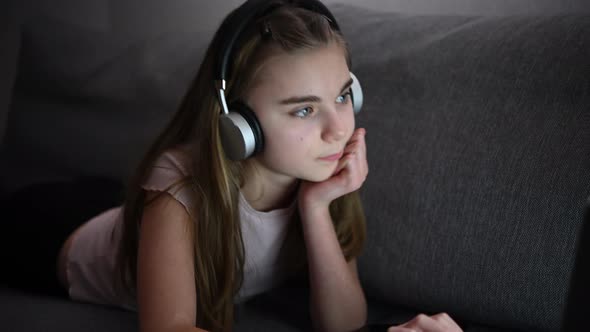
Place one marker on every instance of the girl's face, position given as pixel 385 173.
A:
pixel 303 104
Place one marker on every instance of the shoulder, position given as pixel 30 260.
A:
pixel 176 158
pixel 164 206
pixel 172 165
pixel 169 174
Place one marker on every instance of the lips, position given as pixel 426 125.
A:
pixel 332 157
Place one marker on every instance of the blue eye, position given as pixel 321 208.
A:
pixel 304 112
pixel 343 98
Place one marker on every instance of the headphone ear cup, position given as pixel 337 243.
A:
pixel 240 131
pixel 356 94
pixel 252 120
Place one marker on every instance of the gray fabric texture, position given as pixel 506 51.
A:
pixel 34 313
pixel 478 146
pixel 478 133
pixel 474 7
pixel 106 92
pixel 9 51
pixel 283 310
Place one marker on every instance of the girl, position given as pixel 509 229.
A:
pixel 207 222
pixel 199 231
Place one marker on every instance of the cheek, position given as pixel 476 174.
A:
pixel 287 145
pixel 288 139
pixel 280 132
pixel 350 124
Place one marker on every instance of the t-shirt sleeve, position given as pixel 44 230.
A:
pixel 170 174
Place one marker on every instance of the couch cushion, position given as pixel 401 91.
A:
pixel 281 310
pixel 478 136
pixel 30 312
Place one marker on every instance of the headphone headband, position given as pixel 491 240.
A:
pixel 246 14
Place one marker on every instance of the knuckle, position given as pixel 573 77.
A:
pixel 444 315
pixel 421 318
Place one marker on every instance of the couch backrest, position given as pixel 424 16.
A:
pixel 88 68
pixel 473 7
pixel 96 83
pixel 478 133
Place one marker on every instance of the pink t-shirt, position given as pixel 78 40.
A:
pixel 91 259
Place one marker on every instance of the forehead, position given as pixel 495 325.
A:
pixel 303 72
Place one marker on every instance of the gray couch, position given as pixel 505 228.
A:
pixel 478 133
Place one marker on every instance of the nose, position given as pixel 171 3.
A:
pixel 334 128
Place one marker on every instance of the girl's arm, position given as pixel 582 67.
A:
pixel 166 294
pixel 337 299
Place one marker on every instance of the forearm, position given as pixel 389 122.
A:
pixel 337 299
pixel 187 328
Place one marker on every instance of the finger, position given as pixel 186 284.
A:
pixel 361 131
pixel 362 142
pixel 445 319
pixel 342 172
pixel 357 144
pixel 442 319
pixel 352 177
pixel 351 148
pixel 425 323
pixel 358 150
pixel 346 178
pixel 355 163
pixel 401 329
pixel 341 164
pixel 356 135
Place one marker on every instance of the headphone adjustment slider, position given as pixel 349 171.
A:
pixel 220 86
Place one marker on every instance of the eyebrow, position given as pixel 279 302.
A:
pixel 311 98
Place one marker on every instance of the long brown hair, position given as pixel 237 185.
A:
pixel 215 181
